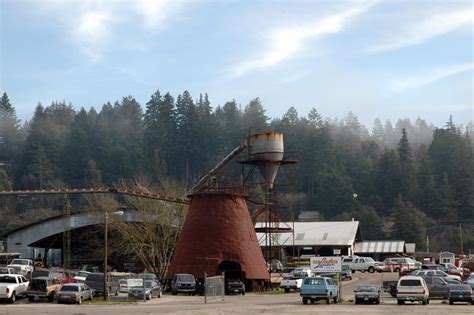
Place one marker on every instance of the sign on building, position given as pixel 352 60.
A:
pixel 336 251
pixel 325 264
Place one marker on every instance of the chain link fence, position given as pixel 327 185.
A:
pixel 214 289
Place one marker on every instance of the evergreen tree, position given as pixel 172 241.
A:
pixel 407 167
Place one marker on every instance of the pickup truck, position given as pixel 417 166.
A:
pixel 12 286
pixel 294 279
pixel 24 266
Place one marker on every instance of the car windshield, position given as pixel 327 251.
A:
pixel 410 283
pixel 3 270
pixel 345 267
pixel 442 273
pixel 82 274
pixel 7 280
pixel 367 288
pixel 299 274
pixel 95 277
pixel 186 278
pixel 148 284
pixel 19 262
pixel 70 288
pixel 38 284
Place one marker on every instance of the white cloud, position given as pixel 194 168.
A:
pixel 422 31
pixel 92 32
pixel 427 78
pixel 93 24
pixel 284 43
pixel 156 13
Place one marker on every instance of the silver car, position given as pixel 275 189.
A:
pixel 74 293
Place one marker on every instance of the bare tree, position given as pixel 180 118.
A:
pixel 149 229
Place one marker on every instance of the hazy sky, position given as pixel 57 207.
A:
pixel 386 59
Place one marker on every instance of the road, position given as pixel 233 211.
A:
pixel 249 304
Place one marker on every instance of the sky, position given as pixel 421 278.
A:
pixel 387 59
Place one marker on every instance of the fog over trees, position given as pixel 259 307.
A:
pixel 412 179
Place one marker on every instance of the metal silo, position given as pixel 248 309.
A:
pixel 266 152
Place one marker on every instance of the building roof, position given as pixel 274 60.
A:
pixel 326 233
pixel 379 247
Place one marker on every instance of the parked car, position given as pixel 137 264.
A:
pixel 7 271
pixel 63 276
pixel 438 287
pixel 367 293
pixel 152 289
pixel 43 288
pixel 398 264
pixel 439 273
pixel 411 289
pixel 470 280
pixel 379 266
pixel 74 293
pixel 12 286
pixel 346 272
pixel 95 281
pixel 294 279
pixel 318 288
pixel 234 286
pixel 81 276
pixel 461 293
pixel 183 283
pixel 23 266
pixel 361 264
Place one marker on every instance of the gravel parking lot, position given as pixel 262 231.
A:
pixel 249 304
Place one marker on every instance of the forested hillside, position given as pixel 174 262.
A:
pixel 412 179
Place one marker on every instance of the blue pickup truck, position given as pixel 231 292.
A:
pixel 318 288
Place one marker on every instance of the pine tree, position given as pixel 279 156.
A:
pixel 407 167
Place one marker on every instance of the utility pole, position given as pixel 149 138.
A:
pixel 106 219
pixel 460 234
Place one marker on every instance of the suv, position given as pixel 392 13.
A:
pixel 96 282
pixel 183 283
pixel 318 288
pixel 411 289
pixel 43 288
pixel 362 264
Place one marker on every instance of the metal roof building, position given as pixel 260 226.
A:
pixel 320 238
pixel 379 247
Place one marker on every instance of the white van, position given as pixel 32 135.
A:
pixel 411 289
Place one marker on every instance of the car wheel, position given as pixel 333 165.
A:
pixel 328 300
pixel 305 301
pixel 312 301
pixel 243 293
pixel 362 271
pixel 51 297
pixel 160 294
pixel 400 302
pixel 174 293
pixel 356 301
pixel 287 290
pixel 472 302
pixel 397 269
pixel 377 301
pixel 371 269
pixel 425 302
pixel 428 301
pixel 353 271
pixel 451 302
pixel 335 300
pixel 13 297
pixel 31 298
